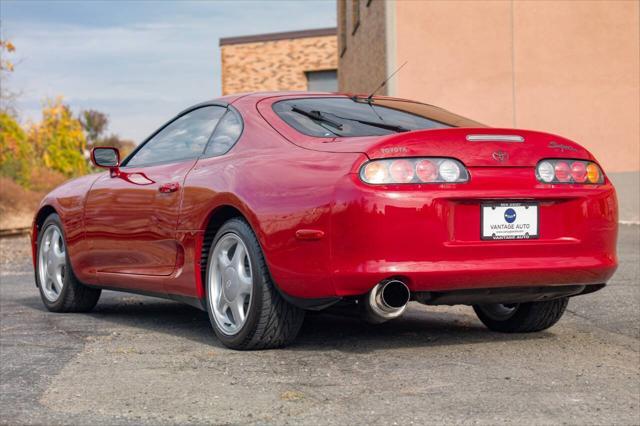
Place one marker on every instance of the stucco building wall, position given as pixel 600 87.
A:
pixel 276 61
pixel 458 57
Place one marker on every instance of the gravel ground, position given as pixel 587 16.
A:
pixel 138 360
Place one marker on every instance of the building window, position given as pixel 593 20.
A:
pixel 322 81
pixel 355 15
pixel 342 27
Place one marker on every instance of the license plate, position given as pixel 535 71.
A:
pixel 509 221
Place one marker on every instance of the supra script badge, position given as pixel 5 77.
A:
pixel 561 147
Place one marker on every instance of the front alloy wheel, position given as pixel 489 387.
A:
pixel 60 290
pixel 52 263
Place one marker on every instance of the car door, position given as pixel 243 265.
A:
pixel 131 216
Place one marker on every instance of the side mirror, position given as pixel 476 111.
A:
pixel 107 157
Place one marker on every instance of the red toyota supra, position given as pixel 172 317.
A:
pixel 261 206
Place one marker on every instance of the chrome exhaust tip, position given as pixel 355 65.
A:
pixel 386 301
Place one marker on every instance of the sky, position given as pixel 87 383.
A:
pixel 140 62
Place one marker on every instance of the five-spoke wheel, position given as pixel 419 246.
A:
pixel 52 263
pixel 230 283
pixel 245 308
pixel 60 289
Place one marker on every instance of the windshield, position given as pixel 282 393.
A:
pixel 331 117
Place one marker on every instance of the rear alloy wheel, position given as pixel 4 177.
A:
pixel 60 290
pixel 231 282
pixel 521 317
pixel 245 309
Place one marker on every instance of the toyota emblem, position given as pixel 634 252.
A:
pixel 500 156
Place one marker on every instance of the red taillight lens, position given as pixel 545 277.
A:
pixel 401 171
pixel 569 171
pixel 427 171
pixel 414 170
pixel 563 171
pixel 578 171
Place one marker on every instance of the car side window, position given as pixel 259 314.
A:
pixel 184 138
pixel 225 135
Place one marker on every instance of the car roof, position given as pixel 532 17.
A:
pixel 258 96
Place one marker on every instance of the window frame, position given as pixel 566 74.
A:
pixel 125 163
pixel 232 110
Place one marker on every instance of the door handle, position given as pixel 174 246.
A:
pixel 169 187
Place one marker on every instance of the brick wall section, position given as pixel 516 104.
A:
pixel 362 54
pixel 277 64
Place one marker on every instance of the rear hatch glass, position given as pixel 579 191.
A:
pixel 352 117
pixel 334 124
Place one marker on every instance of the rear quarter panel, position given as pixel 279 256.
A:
pixel 279 188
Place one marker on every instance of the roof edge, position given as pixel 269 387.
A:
pixel 316 32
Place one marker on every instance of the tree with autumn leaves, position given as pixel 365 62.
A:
pixel 16 153
pixel 57 144
pixel 59 140
pixel 15 150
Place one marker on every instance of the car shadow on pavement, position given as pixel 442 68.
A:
pixel 418 327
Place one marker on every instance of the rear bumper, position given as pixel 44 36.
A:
pixel 503 294
pixel 429 235
pixel 477 273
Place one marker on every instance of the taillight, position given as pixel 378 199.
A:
pixel 579 171
pixel 402 171
pixel 450 171
pixel 594 174
pixel 569 171
pixel 427 171
pixel 375 172
pixel 414 170
pixel 563 172
pixel 546 172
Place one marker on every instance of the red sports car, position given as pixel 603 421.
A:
pixel 258 207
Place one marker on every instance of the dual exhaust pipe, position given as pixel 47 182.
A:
pixel 386 301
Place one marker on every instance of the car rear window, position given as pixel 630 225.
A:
pixel 337 117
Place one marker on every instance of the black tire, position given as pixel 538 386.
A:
pixel 74 296
pixel 271 321
pixel 525 318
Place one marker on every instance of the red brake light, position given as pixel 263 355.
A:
pixel 426 171
pixel 563 172
pixel 401 171
pixel 579 171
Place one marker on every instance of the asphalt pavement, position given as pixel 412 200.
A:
pixel 138 360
